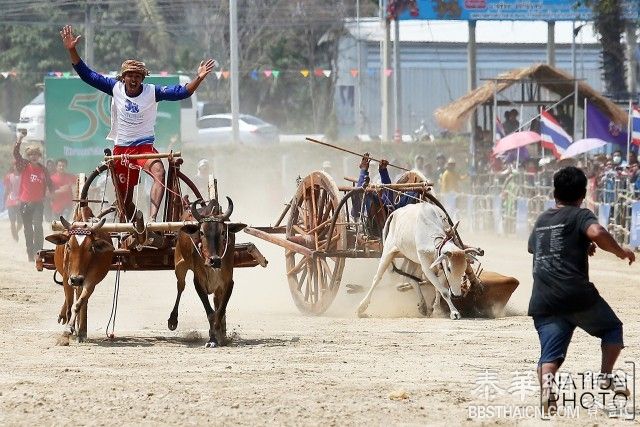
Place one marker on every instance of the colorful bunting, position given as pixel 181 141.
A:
pixel 218 74
pixel 318 72
pixel 388 72
pixel 254 75
pixel 354 72
pixel 326 73
pixel 267 73
pixel 276 73
pixel 371 72
pixel 225 74
pixel 305 73
pixel 164 73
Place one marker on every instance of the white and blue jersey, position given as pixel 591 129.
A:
pixel 133 118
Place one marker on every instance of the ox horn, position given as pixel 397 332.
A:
pixel 65 223
pixel 194 212
pixel 99 225
pixel 229 211
pixel 439 259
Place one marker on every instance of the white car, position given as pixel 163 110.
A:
pixel 32 119
pixel 216 129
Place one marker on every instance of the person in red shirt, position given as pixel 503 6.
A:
pixel 63 185
pixel 34 181
pixel 12 200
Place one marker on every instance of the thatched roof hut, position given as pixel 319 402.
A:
pixel 454 115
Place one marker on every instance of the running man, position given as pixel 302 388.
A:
pixel 133 117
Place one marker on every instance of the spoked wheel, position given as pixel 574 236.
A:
pixel 314 280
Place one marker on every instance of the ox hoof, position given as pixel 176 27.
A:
pixel 172 324
pixel 454 315
pixel 211 344
pixel 362 314
pixel 81 339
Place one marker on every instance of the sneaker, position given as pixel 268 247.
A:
pixel 610 383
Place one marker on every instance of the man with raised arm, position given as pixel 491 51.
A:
pixel 133 117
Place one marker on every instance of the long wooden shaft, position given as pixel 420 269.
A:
pixel 125 227
pixel 144 156
pixel 326 144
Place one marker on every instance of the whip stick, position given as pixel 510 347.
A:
pixel 326 144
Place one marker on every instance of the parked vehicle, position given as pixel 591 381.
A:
pixel 32 119
pixel 422 134
pixel 216 129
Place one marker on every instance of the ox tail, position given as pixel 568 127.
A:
pixel 54 278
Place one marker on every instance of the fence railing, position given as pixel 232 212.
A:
pixel 510 205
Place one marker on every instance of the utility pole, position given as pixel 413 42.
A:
pixel 631 64
pixel 359 114
pixel 234 77
pixel 89 18
pixel 385 81
pixel 397 84
pixel 471 77
pixel 551 43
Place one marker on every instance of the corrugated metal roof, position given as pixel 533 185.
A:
pixel 502 32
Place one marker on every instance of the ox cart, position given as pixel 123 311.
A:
pixel 323 229
pixel 131 252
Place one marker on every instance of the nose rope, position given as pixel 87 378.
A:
pixel 196 247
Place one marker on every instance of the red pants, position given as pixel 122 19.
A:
pixel 128 170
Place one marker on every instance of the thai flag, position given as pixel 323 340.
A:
pixel 554 138
pixel 635 126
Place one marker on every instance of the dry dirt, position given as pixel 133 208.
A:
pixel 282 367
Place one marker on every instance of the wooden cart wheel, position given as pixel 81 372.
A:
pixel 314 281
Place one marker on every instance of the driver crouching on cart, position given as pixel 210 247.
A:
pixel 377 206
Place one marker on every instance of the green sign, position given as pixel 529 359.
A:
pixel 78 119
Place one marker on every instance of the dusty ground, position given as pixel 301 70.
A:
pixel 282 367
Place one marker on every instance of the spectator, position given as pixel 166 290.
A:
pixel 535 123
pixel 511 123
pixel 201 180
pixel 12 200
pixel 450 179
pixel 441 166
pixel 64 184
pixel 564 119
pixel 34 181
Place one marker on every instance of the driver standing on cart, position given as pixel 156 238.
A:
pixel 133 118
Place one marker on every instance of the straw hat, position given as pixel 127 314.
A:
pixel 133 66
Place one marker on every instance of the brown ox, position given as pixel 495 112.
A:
pixel 83 257
pixel 207 249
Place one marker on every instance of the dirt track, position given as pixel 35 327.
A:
pixel 282 367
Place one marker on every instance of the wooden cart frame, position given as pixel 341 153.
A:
pixel 321 232
pixel 130 252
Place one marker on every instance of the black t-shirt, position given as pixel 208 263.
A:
pixel 559 245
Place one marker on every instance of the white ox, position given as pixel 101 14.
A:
pixel 421 234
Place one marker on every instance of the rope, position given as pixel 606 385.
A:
pixel 114 304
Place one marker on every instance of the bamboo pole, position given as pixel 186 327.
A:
pixel 326 144
pixel 119 227
pixel 143 156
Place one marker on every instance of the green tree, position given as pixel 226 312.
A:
pixel 609 23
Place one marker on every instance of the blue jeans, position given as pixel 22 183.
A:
pixel 555 331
